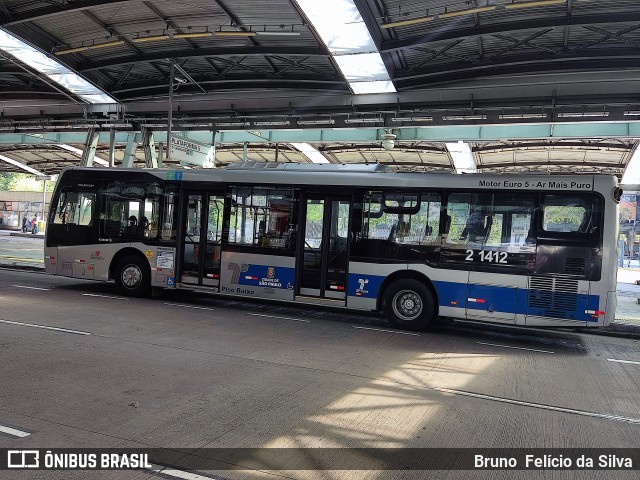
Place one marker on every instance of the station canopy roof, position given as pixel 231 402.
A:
pixel 526 85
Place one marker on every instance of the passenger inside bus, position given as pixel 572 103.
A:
pixel 143 225
pixel 131 230
pixel 474 228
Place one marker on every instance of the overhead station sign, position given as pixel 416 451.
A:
pixel 189 151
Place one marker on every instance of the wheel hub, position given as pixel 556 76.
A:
pixel 407 305
pixel 131 276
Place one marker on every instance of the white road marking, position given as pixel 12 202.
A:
pixel 281 318
pixel 13 431
pixel 584 413
pixel 388 331
pixel 103 296
pixel 178 473
pixel 31 288
pixel 191 306
pixel 65 330
pixel 515 348
pixel 623 361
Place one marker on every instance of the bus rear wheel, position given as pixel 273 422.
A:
pixel 133 277
pixel 408 304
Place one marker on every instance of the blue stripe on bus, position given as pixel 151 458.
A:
pixel 491 298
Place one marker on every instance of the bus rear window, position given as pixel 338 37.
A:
pixel 569 213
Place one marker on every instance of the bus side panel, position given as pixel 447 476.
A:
pixel 257 276
pixel 80 261
pixel 51 260
pixel 365 280
pixel 496 297
pixel 606 287
pixel 609 308
pixel 162 262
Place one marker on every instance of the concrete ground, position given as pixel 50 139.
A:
pixel 188 370
pixel 628 310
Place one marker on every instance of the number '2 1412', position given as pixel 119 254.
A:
pixel 488 256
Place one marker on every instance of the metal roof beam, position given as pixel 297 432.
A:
pixel 204 52
pixel 18 164
pixel 234 19
pixel 188 77
pixel 169 23
pixel 551 163
pixel 59 9
pixel 614 58
pixel 112 31
pixel 361 136
pixel 508 27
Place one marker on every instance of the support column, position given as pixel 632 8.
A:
pixel 170 122
pixel 130 150
pixel 149 146
pixel 112 147
pixel 160 154
pixel 89 151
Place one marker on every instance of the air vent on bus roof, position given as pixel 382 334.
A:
pixel 307 167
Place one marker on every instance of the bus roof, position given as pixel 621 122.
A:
pixel 371 176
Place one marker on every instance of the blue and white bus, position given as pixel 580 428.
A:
pixel 511 249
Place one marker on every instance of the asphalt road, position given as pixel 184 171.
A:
pixel 190 371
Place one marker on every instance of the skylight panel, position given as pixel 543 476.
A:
pixel 310 152
pixel 20 165
pixel 462 157
pixel 53 69
pixel 632 172
pixel 343 31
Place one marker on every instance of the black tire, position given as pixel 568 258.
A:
pixel 408 304
pixel 133 277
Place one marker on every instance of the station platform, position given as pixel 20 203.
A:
pixel 25 251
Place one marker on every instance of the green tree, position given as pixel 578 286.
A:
pixel 22 182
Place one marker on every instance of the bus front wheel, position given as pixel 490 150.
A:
pixel 133 277
pixel 408 304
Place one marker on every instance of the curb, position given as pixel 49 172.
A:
pixel 27 235
pixel 18 266
pixel 625 330
pixel 613 330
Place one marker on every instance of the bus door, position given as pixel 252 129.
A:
pixel 324 260
pixel 201 249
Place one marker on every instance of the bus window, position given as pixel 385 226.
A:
pixel 469 218
pixel 170 212
pixel 214 222
pixel 130 210
pixel 402 218
pixel 261 217
pixel 75 208
pixel 490 220
pixel 511 222
pixel 569 214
